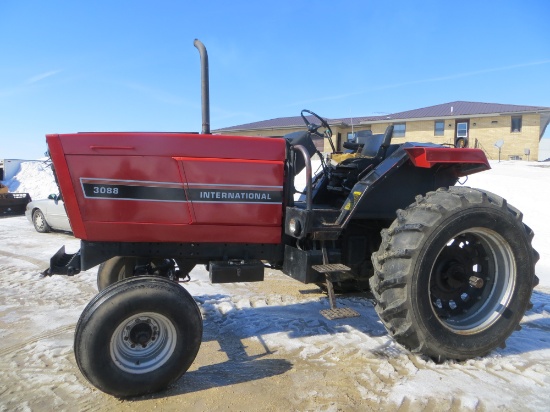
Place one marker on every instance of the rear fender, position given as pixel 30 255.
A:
pixel 463 161
pixel 411 170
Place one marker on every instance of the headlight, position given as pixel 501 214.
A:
pixel 295 226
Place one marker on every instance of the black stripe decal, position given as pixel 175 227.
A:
pixel 133 192
pixel 95 188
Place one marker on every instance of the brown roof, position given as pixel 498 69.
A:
pixel 452 109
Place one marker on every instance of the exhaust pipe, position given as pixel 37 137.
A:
pixel 205 93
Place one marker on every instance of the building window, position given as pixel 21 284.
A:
pixel 399 130
pixel 439 128
pixel 516 124
pixel 462 129
pixel 351 137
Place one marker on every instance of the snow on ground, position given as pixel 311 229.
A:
pixel 265 345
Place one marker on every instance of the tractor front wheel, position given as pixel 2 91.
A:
pixel 120 267
pixel 138 336
pixel 454 273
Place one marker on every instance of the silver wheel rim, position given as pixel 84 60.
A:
pixel 496 276
pixel 143 343
pixel 39 220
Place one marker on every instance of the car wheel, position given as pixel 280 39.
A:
pixel 39 222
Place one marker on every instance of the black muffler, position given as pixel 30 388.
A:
pixel 205 92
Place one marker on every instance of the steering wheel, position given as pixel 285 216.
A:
pixel 313 128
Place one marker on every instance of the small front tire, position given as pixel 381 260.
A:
pixel 138 336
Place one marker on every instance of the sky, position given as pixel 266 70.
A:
pixel 131 65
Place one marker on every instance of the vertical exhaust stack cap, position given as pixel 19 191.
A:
pixel 205 89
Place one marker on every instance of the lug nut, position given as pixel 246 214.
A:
pixel 476 282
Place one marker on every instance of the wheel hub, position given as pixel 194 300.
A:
pixel 452 278
pixel 471 278
pixel 456 285
pixel 143 342
pixel 141 333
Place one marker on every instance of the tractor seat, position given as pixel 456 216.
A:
pixel 371 145
pixel 373 151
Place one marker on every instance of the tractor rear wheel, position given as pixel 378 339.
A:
pixel 454 273
pixel 119 268
pixel 138 336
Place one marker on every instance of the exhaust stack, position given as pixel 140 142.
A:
pixel 205 93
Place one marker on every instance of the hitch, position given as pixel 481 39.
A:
pixel 63 264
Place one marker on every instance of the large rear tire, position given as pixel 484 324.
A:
pixel 138 336
pixel 454 274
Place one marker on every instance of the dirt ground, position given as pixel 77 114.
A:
pixel 265 348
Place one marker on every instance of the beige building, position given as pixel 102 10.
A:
pixel 516 129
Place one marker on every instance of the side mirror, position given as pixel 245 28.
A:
pixel 52 196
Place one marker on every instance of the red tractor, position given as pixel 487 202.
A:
pixel 451 268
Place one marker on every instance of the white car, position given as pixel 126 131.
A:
pixel 48 214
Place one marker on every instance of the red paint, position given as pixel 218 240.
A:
pixel 174 145
pixel 143 232
pixel 138 168
pixel 428 157
pixel 252 173
pixel 67 189
pixel 178 159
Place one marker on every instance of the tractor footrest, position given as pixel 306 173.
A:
pixel 339 313
pixel 331 268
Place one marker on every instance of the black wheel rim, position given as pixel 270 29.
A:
pixel 472 280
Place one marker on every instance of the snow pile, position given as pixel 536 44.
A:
pixel 35 178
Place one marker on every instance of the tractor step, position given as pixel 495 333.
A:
pixel 331 268
pixel 339 313
pixel 331 271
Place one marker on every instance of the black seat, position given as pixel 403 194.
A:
pixel 378 144
pixel 372 145
pixel 348 172
pixel 385 143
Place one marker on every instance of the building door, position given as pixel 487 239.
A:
pixel 462 130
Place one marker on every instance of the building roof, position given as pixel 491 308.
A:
pixel 279 122
pixel 452 109
pixel 461 108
